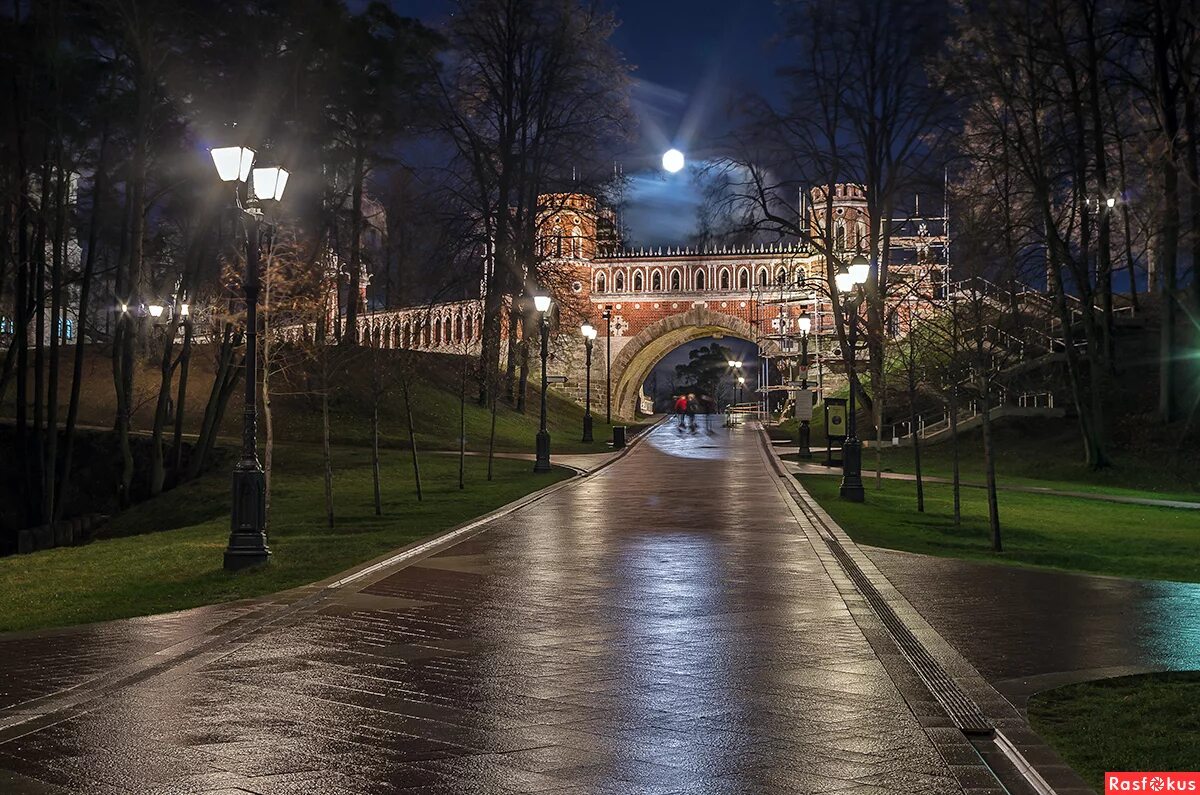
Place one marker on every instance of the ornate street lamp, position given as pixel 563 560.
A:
pixel 848 281
pixel 247 535
pixel 741 383
pixel 805 324
pixel 542 464
pixel 589 337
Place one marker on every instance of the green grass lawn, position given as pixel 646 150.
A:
pixel 181 566
pixel 1047 453
pixel 1038 530
pixel 1149 722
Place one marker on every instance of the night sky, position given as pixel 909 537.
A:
pixel 689 58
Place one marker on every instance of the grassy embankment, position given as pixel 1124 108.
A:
pixel 1046 454
pixel 165 554
pixel 168 553
pixel 1038 530
pixel 1149 722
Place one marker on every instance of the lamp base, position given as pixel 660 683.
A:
pixel 542 463
pixel 247 534
pixel 852 485
pixel 805 431
pixel 587 427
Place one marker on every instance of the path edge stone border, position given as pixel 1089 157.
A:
pixel 1051 776
pixel 273 611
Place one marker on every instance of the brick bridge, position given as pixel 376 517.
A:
pixel 665 297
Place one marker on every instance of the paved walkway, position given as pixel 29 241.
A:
pixel 1027 630
pixel 663 626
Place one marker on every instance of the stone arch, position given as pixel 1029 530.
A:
pixel 676 279
pixel 698 280
pixel 656 280
pixel 743 278
pixel 639 281
pixel 633 363
pixel 619 282
pixel 724 278
pixel 601 283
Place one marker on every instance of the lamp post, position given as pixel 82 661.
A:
pixel 735 368
pixel 589 338
pixel 607 315
pixel 741 383
pixel 542 464
pixel 247 535
pixel 804 431
pixel 847 281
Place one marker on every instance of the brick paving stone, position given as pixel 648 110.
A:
pixel 662 626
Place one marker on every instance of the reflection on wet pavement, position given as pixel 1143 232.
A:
pixel 1027 624
pixel 660 627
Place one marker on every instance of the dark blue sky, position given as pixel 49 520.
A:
pixel 689 57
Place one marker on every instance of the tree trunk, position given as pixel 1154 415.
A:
pixel 85 289
pixel 224 382
pixel 492 438
pixel 462 426
pixel 989 463
pixel 375 456
pixel 350 334
pixel 916 437
pixel 57 333
pixel 955 484
pixel 412 437
pixel 326 454
pixel 185 361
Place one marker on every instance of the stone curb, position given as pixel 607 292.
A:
pixel 1051 770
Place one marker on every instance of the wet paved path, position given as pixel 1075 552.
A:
pixel 663 626
pixel 1027 630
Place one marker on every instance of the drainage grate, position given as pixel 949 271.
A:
pixel 958 705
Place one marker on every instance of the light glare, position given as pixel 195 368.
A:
pixel 672 160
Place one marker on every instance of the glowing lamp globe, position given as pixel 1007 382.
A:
pixel 541 302
pixel 268 183
pixel 588 331
pixel 859 269
pixel 672 160
pixel 843 281
pixel 805 323
pixel 233 162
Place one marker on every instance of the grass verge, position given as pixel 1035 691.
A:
pixel 166 554
pixel 1148 722
pixel 1037 530
pixel 1046 453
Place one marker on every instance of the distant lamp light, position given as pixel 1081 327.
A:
pixel 184 310
pixel 843 281
pixel 741 379
pixel 156 310
pixel 124 308
pixel 268 183
pixel 672 160
pixel 233 162
pixel 805 324
pixel 1111 202
pixel 541 303
pixel 860 268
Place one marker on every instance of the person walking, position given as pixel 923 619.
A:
pixel 692 407
pixel 681 404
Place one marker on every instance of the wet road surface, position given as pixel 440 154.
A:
pixel 660 627
pixel 1027 630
